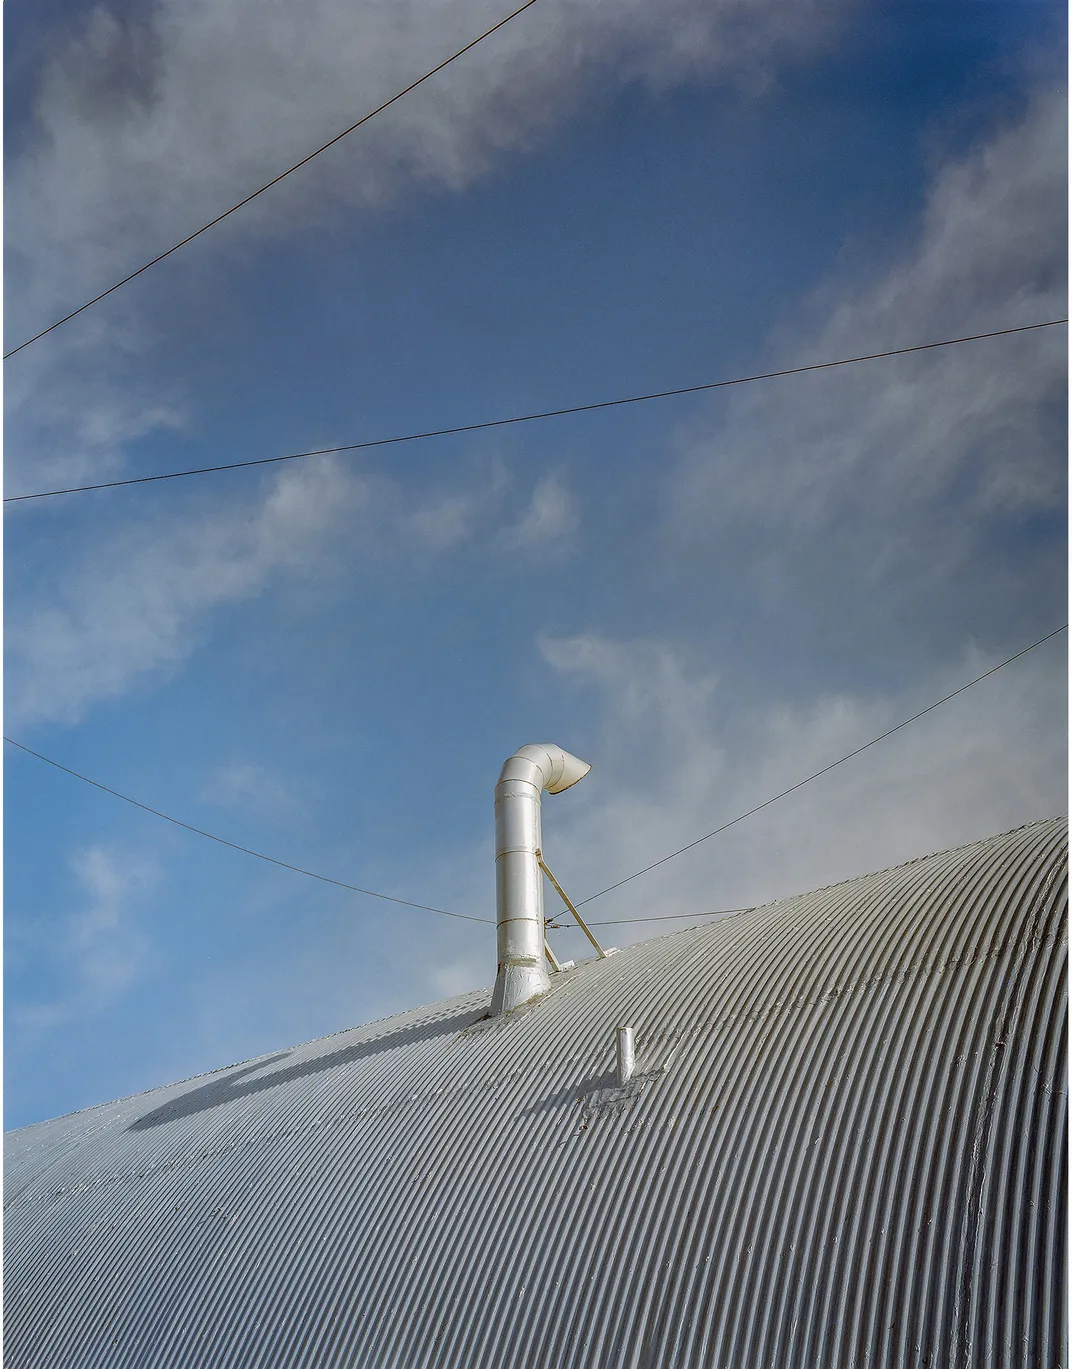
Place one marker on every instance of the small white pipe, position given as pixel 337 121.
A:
pixel 522 972
pixel 626 1055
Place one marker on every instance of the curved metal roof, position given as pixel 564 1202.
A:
pixel 844 1145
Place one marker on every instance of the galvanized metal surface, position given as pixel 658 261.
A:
pixel 843 1144
pixel 519 924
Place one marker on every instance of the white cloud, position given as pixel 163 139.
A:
pixel 655 703
pixel 134 608
pixel 100 950
pixel 148 124
pixel 548 524
pixel 900 469
pixel 670 766
pixel 246 785
pixel 439 524
pixel 81 434
pixel 141 600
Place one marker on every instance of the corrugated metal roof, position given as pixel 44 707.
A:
pixel 845 1145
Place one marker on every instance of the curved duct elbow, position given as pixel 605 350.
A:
pixel 522 970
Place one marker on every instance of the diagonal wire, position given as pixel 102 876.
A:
pixel 274 181
pixel 671 917
pixel 654 917
pixel 533 417
pixel 825 770
pixel 198 831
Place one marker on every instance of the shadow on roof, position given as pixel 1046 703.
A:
pixel 235 1083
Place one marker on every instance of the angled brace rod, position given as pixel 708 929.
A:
pixel 565 899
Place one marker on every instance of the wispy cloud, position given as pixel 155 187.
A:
pixel 101 949
pixel 139 602
pixel 248 785
pixel 548 524
pixel 671 766
pixel 148 124
pixel 134 607
pixel 902 469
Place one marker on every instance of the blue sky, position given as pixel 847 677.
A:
pixel 706 597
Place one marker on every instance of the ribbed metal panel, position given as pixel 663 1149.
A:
pixel 844 1145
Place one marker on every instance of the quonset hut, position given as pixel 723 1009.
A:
pixel 840 1141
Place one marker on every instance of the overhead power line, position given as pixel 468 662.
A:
pixel 199 831
pixel 467 917
pixel 825 770
pixel 275 179
pixel 534 417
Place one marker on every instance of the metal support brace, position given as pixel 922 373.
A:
pixel 565 899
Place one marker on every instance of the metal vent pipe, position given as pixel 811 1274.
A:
pixel 522 971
